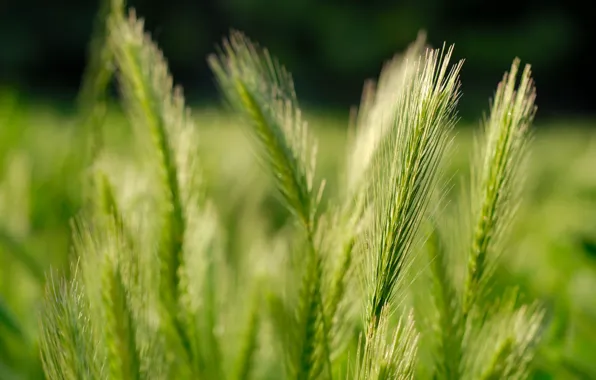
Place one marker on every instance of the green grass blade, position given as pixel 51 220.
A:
pixel 147 87
pixel 246 358
pixel 8 321
pixel 263 92
pixel 20 253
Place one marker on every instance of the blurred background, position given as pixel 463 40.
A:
pixel 331 47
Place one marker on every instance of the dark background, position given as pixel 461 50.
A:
pixel 330 46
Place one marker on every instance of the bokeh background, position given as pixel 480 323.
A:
pixel 331 47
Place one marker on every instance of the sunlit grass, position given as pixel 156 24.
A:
pixel 213 244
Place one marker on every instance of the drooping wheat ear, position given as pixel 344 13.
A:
pixel 496 183
pixel 187 258
pixel 98 73
pixel 68 342
pixel 151 99
pixel 384 357
pixel 404 172
pixel 147 87
pixel 263 92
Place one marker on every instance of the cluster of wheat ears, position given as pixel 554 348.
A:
pixel 383 281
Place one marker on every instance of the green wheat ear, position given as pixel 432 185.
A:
pixel 263 92
pixel 496 181
pixel 496 184
pixel 478 329
pixel 147 87
pixel 403 175
pixel 106 255
pixel 160 114
pixel 369 127
pixel 189 254
pixel 68 343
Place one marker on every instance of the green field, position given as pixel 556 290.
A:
pixel 42 176
pixel 143 239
